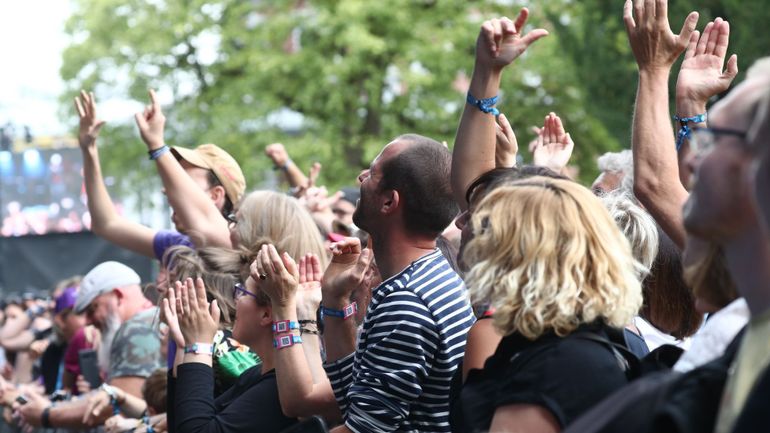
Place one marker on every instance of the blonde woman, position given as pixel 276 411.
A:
pixel 547 256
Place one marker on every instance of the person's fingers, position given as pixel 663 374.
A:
pixel 92 103
pixel 509 29
pixel 488 32
pixel 714 36
pixel 265 268
pixel 98 127
pixel 303 272
pixel 628 16
pixel 692 45
pixel 661 11
pixel 215 311
pixel 723 40
pixel 559 127
pixel 254 269
pixel 184 296
pixel 364 260
pixel 649 11
pixel 154 100
pixel 315 265
pixel 79 108
pixel 200 291
pixel 569 144
pixel 192 298
pixel 498 36
pixel 275 261
pixel 289 264
pixel 732 68
pixel 639 12
pixel 687 28
pixel 533 36
pixel 315 170
pixel 704 39
pixel 521 19
pixel 172 300
pixel 141 121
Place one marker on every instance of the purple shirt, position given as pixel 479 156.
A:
pixel 165 239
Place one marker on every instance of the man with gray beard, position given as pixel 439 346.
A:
pixel 112 300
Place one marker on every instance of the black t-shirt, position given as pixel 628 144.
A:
pixel 250 405
pixel 51 365
pixel 565 375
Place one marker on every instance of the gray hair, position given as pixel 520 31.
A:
pixel 637 226
pixel 619 162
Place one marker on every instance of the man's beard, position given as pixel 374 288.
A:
pixel 108 335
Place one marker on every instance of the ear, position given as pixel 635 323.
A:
pixel 119 295
pixel 218 195
pixel 392 201
pixel 267 317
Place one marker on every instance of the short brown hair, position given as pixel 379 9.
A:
pixel 154 390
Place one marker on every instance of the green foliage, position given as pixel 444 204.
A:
pixel 357 73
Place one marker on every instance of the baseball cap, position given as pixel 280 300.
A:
pixel 224 166
pixel 102 279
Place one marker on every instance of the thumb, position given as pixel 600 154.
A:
pixel 98 127
pixel 291 265
pixel 732 68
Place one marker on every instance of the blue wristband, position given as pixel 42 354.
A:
pixel 485 105
pixel 157 153
pixel 349 311
pixel 684 129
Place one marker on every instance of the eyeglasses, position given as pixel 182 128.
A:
pixel 703 139
pixel 239 291
pixel 232 221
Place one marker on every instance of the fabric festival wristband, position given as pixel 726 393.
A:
pixel 485 105
pixel 684 129
pixel 200 349
pixel 113 397
pixel 345 313
pixel 285 341
pixel 284 326
pixel 157 153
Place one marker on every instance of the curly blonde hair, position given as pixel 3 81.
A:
pixel 548 257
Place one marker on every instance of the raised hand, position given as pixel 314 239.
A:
pixel 169 314
pixel 309 293
pixel 199 321
pixel 702 74
pixel 277 153
pixel 151 123
pixel 276 274
pixel 653 43
pixel 506 146
pixel 554 145
pixel 85 104
pixel 501 40
pixel 347 270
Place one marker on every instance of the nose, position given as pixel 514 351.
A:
pixel 363 175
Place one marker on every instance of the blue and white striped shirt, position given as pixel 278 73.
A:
pixel 412 340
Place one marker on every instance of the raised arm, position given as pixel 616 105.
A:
pixel 195 209
pixel 105 220
pixel 499 43
pixel 554 145
pixel 300 394
pixel 701 76
pixel 281 160
pixel 656 173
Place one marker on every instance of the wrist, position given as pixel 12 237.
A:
pixel 655 72
pixel 688 107
pixel 485 82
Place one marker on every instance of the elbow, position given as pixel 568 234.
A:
pixel 292 409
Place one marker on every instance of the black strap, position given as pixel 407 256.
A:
pixel 627 361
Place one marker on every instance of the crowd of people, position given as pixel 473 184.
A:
pixel 452 290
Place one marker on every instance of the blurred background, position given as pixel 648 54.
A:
pixel 333 80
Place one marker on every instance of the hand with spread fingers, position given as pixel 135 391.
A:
pixel 309 294
pixel 151 123
pixel 501 40
pixel 90 125
pixel 653 43
pixel 199 320
pixel 277 275
pixel 702 74
pixel 506 145
pixel 170 316
pixel 554 145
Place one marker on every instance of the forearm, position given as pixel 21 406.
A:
pixel 13 326
pixel 294 175
pixel 303 387
pixel 131 406
pixel 339 334
pixel 474 148
pixel 656 172
pixel 105 220
pixel 687 107
pixel 70 414
pixel 194 208
pixel 19 342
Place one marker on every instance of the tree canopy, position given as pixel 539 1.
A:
pixel 335 80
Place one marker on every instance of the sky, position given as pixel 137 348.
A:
pixel 32 35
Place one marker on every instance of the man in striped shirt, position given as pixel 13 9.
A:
pixel 413 336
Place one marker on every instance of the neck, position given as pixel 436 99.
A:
pixel 395 251
pixel 748 258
